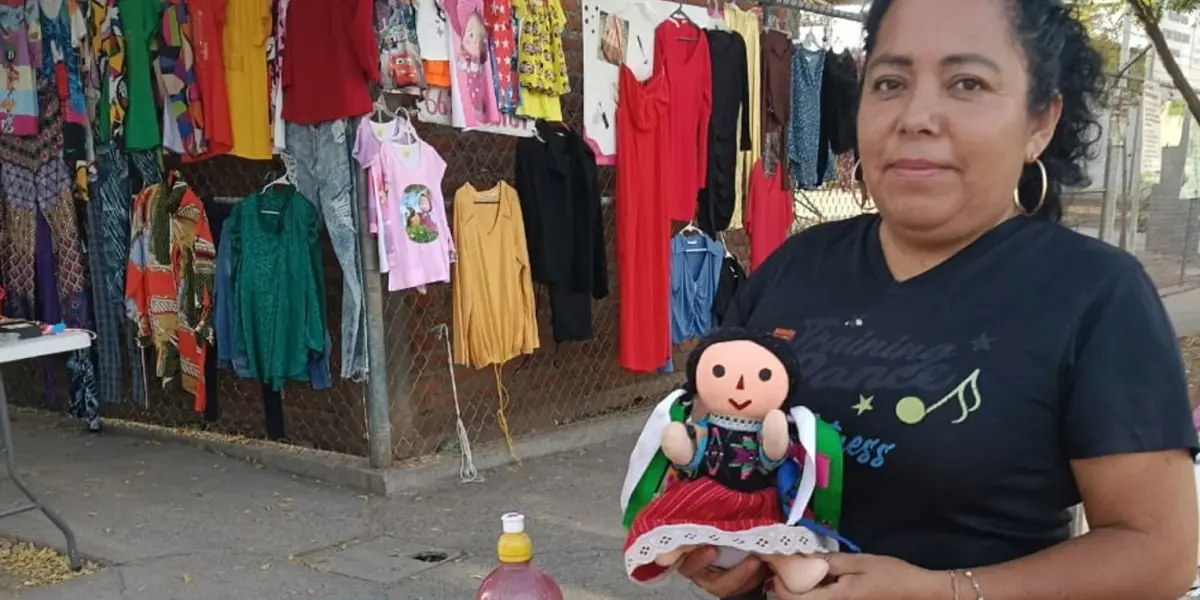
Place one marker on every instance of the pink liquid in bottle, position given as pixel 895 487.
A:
pixel 515 578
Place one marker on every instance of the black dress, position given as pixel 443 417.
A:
pixel 730 96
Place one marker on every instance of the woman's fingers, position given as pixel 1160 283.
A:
pixel 744 577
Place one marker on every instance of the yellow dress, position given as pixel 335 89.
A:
pixel 541 63
pixel 746 23
pixel 494 316
pixel 247 27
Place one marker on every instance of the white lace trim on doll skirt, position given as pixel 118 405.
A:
pixel 768 539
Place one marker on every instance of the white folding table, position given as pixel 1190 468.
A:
pixel 17 350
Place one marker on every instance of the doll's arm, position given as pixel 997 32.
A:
pixel 684 445
pixel 775 440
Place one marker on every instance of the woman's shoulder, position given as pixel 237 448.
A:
pixel 1077 257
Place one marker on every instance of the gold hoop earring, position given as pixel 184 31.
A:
pixel 1041 199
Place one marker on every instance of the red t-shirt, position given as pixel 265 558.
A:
pixel 208 27
pixel 326 77
pixel 681 52
pixel 769 213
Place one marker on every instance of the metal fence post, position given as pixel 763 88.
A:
pixel 379 426
pixel 1187 240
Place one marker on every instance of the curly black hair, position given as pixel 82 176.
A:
pixel 1060 60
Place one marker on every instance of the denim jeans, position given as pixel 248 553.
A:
pixel 108 213
pixel 321 165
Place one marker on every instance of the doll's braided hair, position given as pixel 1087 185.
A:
pixel 773 343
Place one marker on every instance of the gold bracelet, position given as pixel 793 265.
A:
pixel 975 584
pixel 953 583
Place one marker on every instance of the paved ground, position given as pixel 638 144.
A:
pixel 1184 309
pixel 176 523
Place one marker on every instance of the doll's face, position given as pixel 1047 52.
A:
pixel 740 378
pixel 472 37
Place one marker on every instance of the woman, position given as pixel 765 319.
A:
pixel 988 368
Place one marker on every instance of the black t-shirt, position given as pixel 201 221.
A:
pixel 962 394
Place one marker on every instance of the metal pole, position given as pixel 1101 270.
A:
pixel 379 425
pixel 1108 208
pixel 1187 240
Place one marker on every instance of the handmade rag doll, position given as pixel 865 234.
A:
pixel 732 437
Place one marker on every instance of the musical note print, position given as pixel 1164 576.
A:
pixel 911 410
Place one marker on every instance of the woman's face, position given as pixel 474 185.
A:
pixel 944 127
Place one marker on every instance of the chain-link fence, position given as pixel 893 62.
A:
pixel 556 385
pixel 330 419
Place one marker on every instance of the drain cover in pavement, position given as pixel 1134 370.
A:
pixel 381 559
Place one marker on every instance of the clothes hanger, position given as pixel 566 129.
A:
pixel 680 17
pixel 724 244
pixel 285 179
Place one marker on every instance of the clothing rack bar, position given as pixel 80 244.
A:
pixel 814 7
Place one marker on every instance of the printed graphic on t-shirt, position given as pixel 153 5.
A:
pixel 417 204
pixel 904 379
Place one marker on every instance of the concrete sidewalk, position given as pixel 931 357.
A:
pixel 176 523
pixel 1184 309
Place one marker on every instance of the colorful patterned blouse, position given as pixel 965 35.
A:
pixel 169 281
pixel 21 38
pixel 177 79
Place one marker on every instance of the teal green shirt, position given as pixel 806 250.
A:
pixel 278 282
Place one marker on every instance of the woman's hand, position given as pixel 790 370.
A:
pixel 870 577
pixel 743 578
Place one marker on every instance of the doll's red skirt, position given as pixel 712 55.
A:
pixel 702 512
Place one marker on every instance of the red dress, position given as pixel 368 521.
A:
pixel 769 213
pixel 681 53
pixel 643 227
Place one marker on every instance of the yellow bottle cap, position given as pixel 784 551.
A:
pixel 514 545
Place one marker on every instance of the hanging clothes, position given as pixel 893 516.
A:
pixel 502 39
pixel 42 269
pixel 749 25
pixel 230 353
pixel 696 262
pixel 324 177
pixel 279 35
pixel 769 214
pixel 183 112
pixel 472 96
pixel 643 223
pixel 777 101
pixel 839 104
pixel 494 315
pixel 406 211
pixel 681 53
pixel 399 53
pixel 541 62
pixel 169 281
pixel 730 98
pixel 733 277
pixel 329 80
pixel 139 21
pixel 114 93
pixel 564 226
pixel 247 27
pixel 804 135
pixel 21 29
pixel 61 60
pixel 278 284
pixel 207 20
pixel 433 37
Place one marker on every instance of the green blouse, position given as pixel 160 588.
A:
pixel 278 282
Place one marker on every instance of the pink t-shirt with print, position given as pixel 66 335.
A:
pixel 405 208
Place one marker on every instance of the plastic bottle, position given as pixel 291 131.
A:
pixel 515 578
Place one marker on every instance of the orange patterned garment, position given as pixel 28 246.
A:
pixel 169 281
